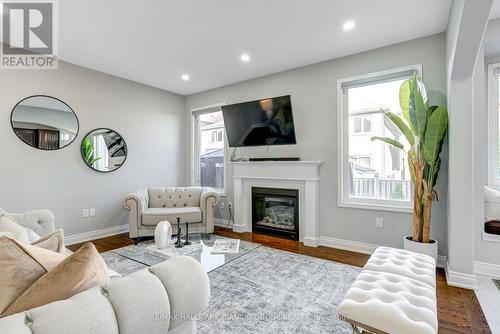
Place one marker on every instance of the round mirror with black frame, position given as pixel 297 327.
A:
pixel 104 150
pixel 44 122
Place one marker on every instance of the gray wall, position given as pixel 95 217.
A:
pixel 314 97
pixel 152 122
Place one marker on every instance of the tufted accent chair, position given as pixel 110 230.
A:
pixel 148 207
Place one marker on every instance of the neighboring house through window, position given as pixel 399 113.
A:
pixel 209 150
pixel 373 174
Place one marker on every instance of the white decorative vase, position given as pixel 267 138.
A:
pixel 430 249
pixel 163 234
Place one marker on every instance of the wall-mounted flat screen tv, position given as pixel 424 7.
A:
pixel 261 122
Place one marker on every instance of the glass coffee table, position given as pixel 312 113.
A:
pixel 146 253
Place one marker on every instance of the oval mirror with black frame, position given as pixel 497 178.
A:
pixel 104 150
pixel 44 122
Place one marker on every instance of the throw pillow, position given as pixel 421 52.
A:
pixel 53 241
pixel 80 271
pixel 21 265
pixel 10 226
pixel 32 235
pixel 3 212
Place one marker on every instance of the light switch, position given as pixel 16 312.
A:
pixel 379 222
pixel 85 213
pixel 92 212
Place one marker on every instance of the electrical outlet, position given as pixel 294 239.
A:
pixel 222 205
pixel 379 222
pixel 85 213
pixel 92 212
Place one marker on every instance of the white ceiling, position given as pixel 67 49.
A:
pixel 154 42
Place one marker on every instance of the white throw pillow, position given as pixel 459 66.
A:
pixel 10 226
pixel 3 213
pixel 491 204
pixel 32 235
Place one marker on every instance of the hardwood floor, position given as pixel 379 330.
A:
pixel 458 309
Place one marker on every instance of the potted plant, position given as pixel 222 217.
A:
pixel 424 128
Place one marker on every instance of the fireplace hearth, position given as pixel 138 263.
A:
pixel 275 212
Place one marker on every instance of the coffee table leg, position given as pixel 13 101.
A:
pixel 178 243
pixel 187 242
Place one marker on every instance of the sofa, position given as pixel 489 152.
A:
pixel 41 222
pixel 149 206
pixel 164 298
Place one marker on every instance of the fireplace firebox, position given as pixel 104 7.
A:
pixel 276 212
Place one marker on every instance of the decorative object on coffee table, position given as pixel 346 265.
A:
pixel 187 242
pixel 178 243
pixel 163 234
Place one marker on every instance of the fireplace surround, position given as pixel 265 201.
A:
pixel 298 175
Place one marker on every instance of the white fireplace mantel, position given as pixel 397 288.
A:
pixel 300 175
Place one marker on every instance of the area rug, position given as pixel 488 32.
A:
pixel 272 291
pixel 269 291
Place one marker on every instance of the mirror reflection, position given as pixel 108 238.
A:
pixel 44 122
pixel 104 150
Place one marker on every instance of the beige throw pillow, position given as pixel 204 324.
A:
pixel 7 225
pixel 21 265
pixel 82 270
pixel 53 241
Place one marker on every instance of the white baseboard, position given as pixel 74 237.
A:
pixel 353 246
pixel 311 242
pixel 221 222
pixel 460 280
pixel 92 235
pixel 362 247
pixel 487 269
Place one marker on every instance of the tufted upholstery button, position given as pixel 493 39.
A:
pixel 164 206
pixel 185 204
pixel 175 205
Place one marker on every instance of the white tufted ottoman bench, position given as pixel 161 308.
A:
pixel 395 293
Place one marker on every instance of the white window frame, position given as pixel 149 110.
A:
pixel 344 200
pixel 493 130
pixel 195 145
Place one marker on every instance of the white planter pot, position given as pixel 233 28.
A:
pixel 430 249
pixel 163 234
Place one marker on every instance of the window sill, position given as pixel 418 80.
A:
pixel 490 237
pixel 378 207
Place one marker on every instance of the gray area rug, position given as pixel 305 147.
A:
pixel 272 291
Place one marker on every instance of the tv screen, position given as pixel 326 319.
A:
pixel 262 122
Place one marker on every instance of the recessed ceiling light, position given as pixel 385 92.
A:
pixel 245 58
pixel 185 77
pixel 349 25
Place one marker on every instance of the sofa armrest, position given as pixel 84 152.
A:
pixel 166 296
pixel 136 203
pixel 208 199
pixel 187 285
pixel 40 221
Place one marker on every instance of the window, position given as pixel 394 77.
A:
pixel 209 149
pixel 373 174
pixel 493 126
pixel 361 125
